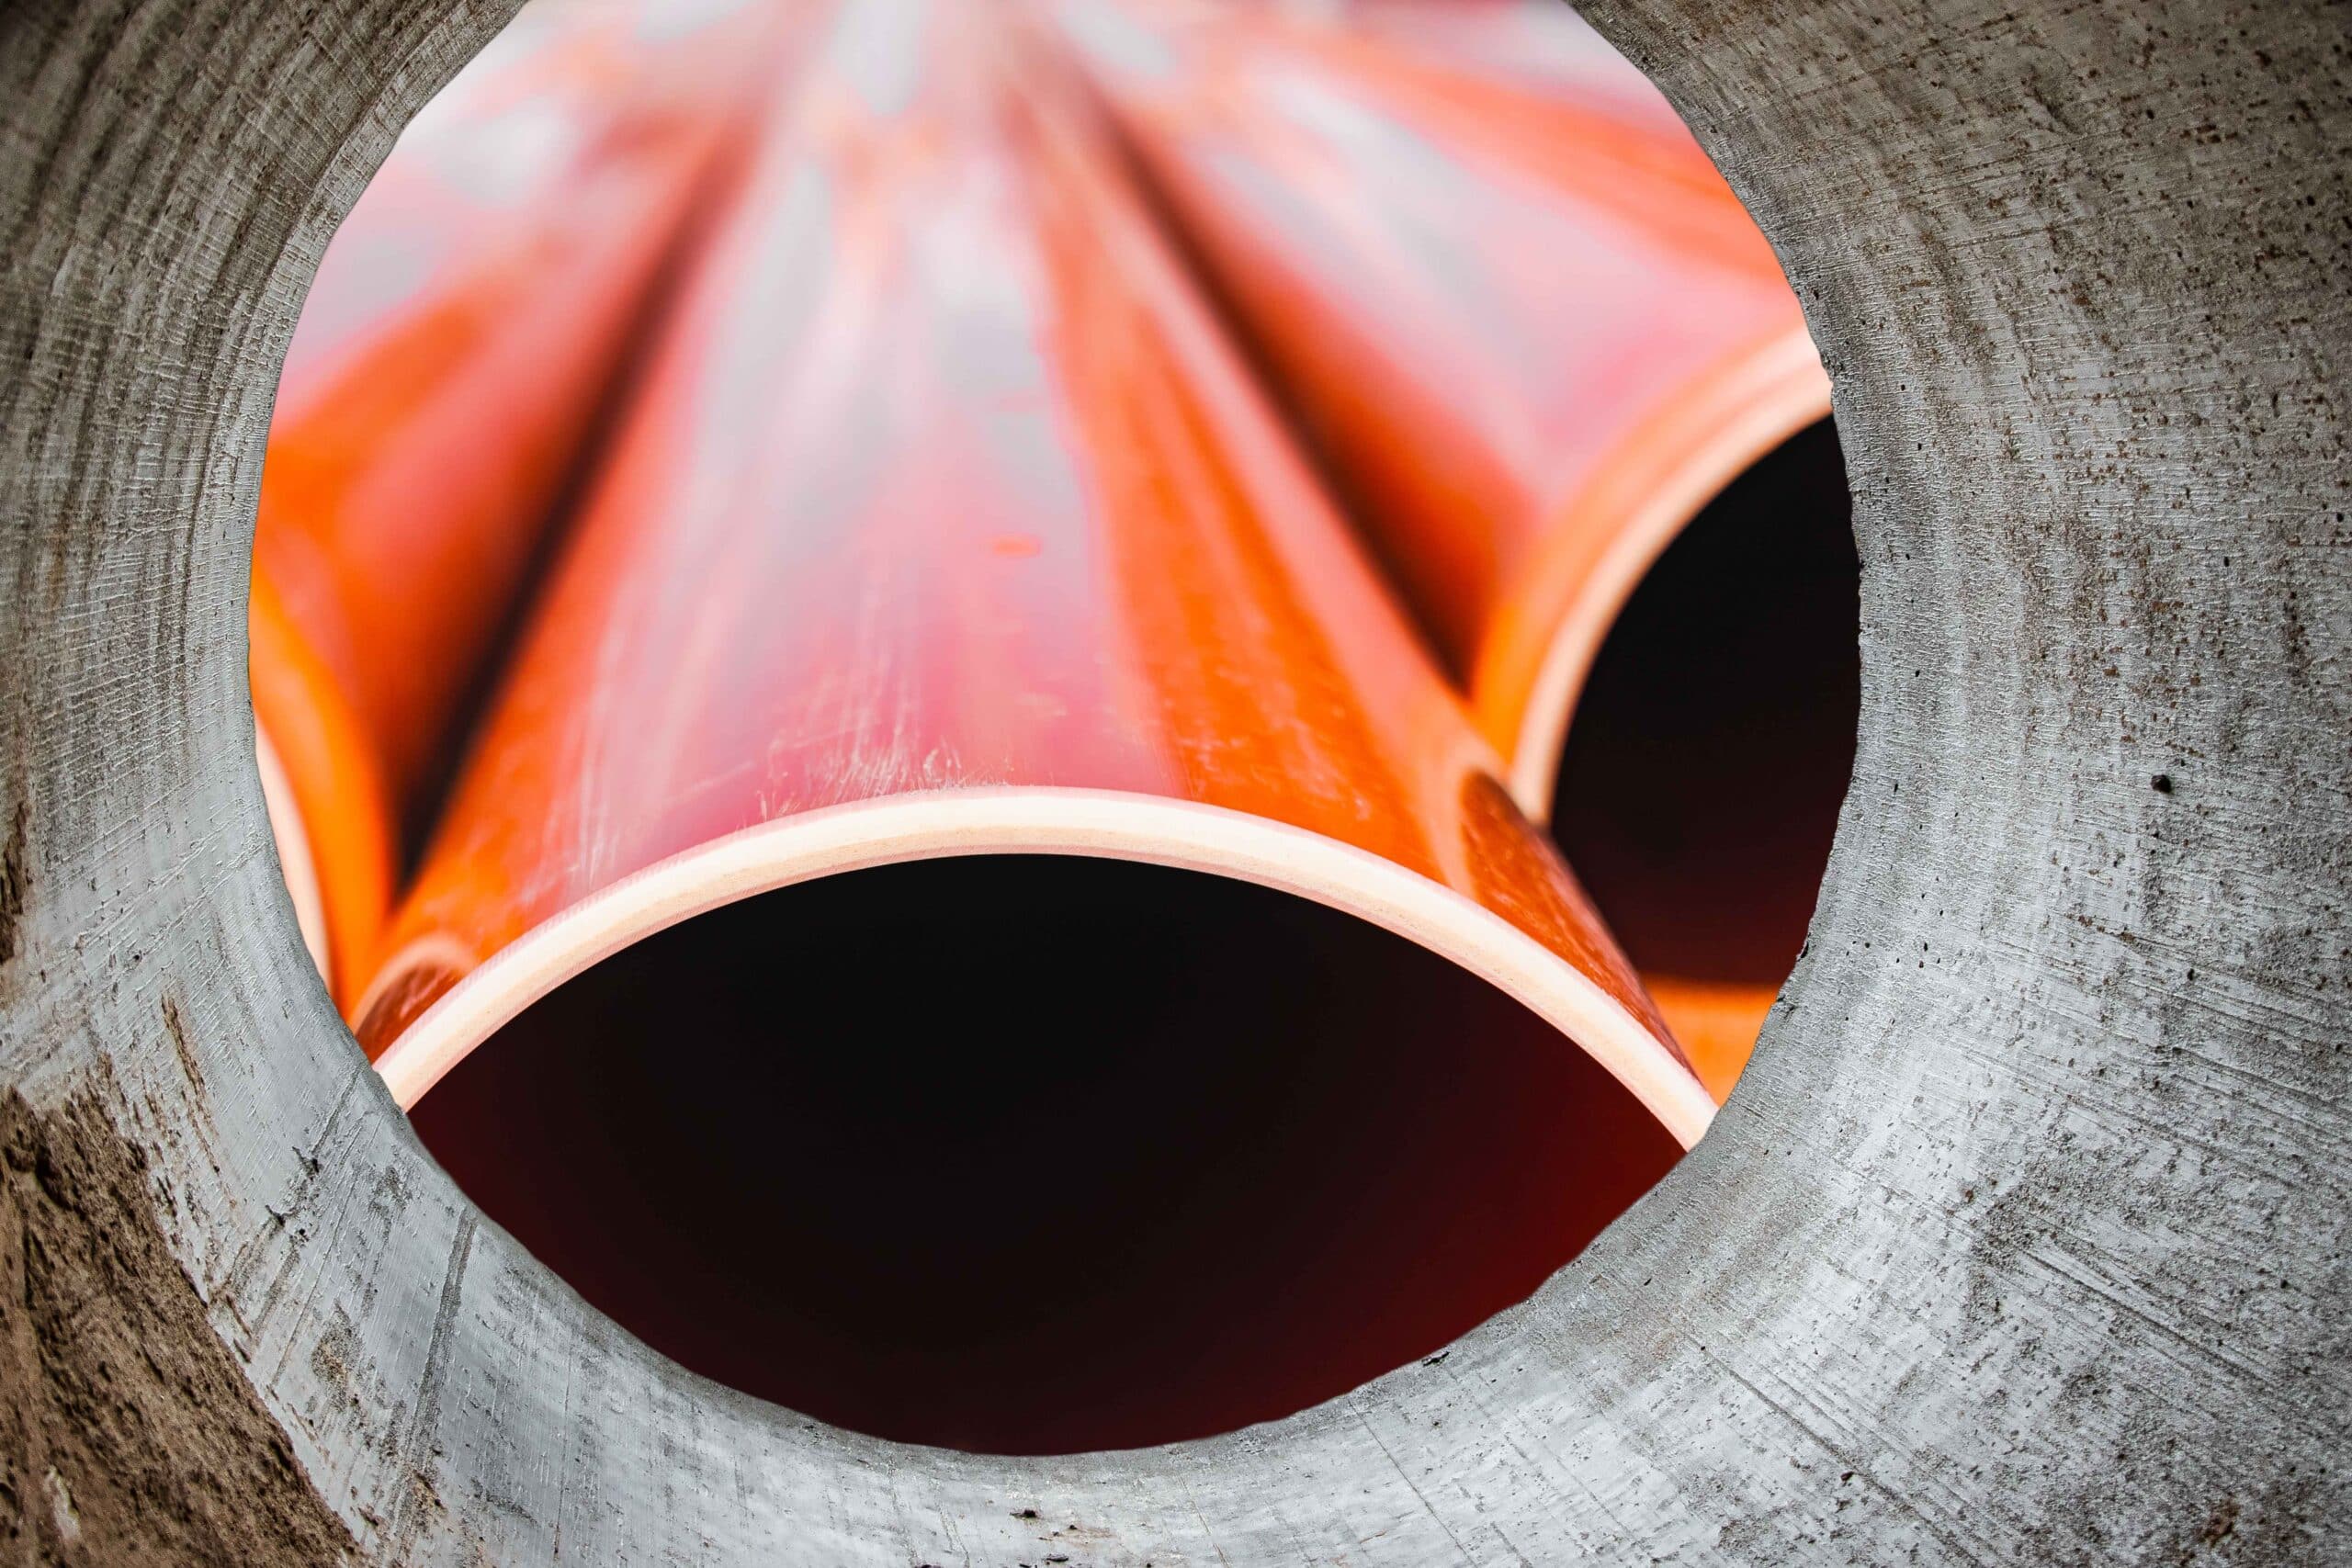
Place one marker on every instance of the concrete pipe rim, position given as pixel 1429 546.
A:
pixel 2022 1237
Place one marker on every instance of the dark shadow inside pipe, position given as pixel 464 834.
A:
pixel 1710 750
pixel 1032 1155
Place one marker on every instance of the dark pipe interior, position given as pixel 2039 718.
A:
pixel 1708 756
pixel 1040 1155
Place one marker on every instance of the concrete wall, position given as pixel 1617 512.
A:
pixel 2025 1239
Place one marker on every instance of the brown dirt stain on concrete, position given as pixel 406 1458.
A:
pixel 127 1433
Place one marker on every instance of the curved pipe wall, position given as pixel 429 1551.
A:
pixel 945 524
pixel 448 368
pixel 1040 1154
pixel 1528 328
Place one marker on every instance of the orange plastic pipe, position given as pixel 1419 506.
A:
pixel 1537 74
pixel 948 523
pixel 449 360
pixel 1528 326
pixel 1546 57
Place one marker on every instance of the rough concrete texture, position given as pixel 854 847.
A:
pixel 128 1435
pixel 2026 1237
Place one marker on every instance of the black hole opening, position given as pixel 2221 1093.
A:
pixel 1700 785
pixel 1034 1155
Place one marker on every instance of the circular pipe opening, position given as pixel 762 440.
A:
pixel 1036 1153
pixel 1150 1156
pixel 1711 748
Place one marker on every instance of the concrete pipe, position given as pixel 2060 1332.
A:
pixel 2024 1237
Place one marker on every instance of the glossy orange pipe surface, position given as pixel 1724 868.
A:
pixel 449 361
pixel 947 522
pixel 1528 327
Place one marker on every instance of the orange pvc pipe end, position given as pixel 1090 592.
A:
pixel 451 356
pixel 329 811
pixel 1526 324
pixel 947 522
pixel 1716 1022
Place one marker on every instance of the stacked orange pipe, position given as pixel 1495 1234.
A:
pixel 945 522
pixel 945 526
pixel 1529 329
pixel 449 362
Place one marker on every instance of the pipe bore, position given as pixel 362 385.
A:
pixel 1709 752
pixel 1033 1154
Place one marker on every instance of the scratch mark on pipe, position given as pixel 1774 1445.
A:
pixel 1192 1501
pixel 1460 1551
pixel 249 1256
pixel 416 1489
pixel 2199 1353
pixel 1848 1461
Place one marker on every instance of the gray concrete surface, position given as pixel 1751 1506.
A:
pixel 2024 1240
